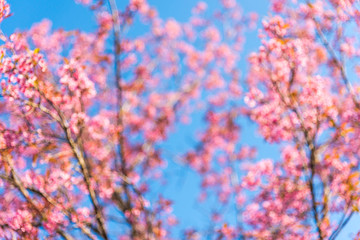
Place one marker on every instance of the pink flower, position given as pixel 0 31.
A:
pixel 229 3
pixel 4 10
pixel 200 8
pixel 173 29
pixel 85 2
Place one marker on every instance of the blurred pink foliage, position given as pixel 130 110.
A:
pixel 83 128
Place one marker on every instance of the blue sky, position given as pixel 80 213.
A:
pixel 68 15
